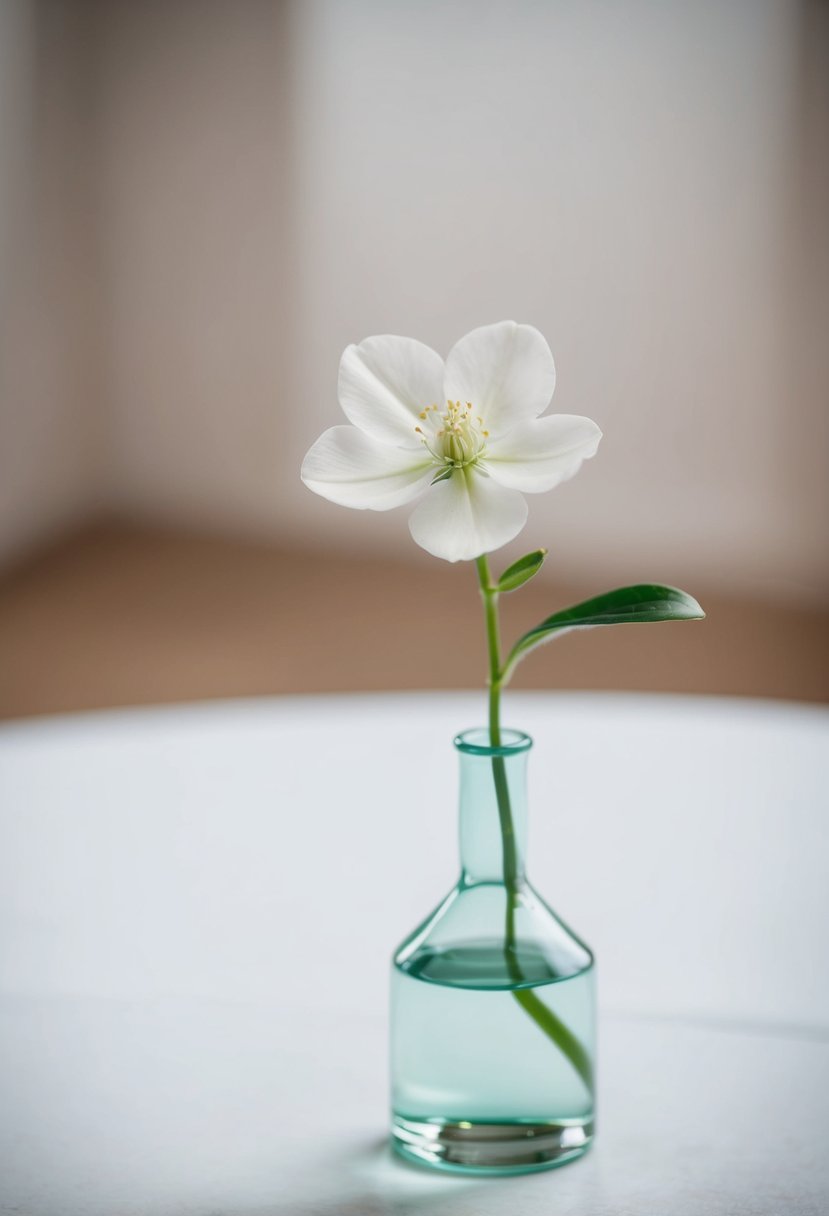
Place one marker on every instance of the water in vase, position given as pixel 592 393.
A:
pixel 452 1026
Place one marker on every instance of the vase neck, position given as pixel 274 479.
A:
pixel 493 807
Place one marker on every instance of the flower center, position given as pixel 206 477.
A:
pixel 454 437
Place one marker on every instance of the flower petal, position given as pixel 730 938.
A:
pixel 506 371
pixel 467 515
pixel 538 455
pixel 384 384
pixel 354 470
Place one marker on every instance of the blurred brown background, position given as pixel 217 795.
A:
pixel 203 201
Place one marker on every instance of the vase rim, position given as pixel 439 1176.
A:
pixel 475 742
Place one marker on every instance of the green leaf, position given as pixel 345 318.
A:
pixel 443 475
pixel 625 606
pixel 522 571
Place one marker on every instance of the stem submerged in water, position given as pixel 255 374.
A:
pixel 529 1001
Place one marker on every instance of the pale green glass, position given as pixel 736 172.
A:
pixel 492 1000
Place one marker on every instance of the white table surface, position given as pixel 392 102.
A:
pixel 198 904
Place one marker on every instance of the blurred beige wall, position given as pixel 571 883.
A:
pixel 51 410
pixel 271 181
pixel 197 182
pixel 629 178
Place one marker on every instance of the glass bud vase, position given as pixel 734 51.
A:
pixel 493 1007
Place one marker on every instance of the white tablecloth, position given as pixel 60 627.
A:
pixel 198 905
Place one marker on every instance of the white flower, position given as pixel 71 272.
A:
pixel 466 434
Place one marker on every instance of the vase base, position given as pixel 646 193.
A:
pixel 489 1147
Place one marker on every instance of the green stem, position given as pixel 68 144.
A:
pixel 556 1030
pixel 544 1017
pixel 499 772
